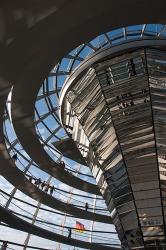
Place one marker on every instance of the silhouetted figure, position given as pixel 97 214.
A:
pixel 38 182
pixel 46 188
pixel 14 157
pixel 86 206
pixel 43 184
pixel 4 245
pixel 69 232
pixel 132 69
pixel 146 100
pixel 131 103
pixel 62 164
pixel 120 106
pixel 51 190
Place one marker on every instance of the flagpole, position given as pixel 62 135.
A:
pixel 74 237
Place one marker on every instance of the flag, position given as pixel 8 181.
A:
pixel 79 227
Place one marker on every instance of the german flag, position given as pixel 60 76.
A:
pixel 79 227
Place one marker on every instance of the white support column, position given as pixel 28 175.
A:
pixel 34 219
pixel 92 223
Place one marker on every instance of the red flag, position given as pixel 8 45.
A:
pixel 79 227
